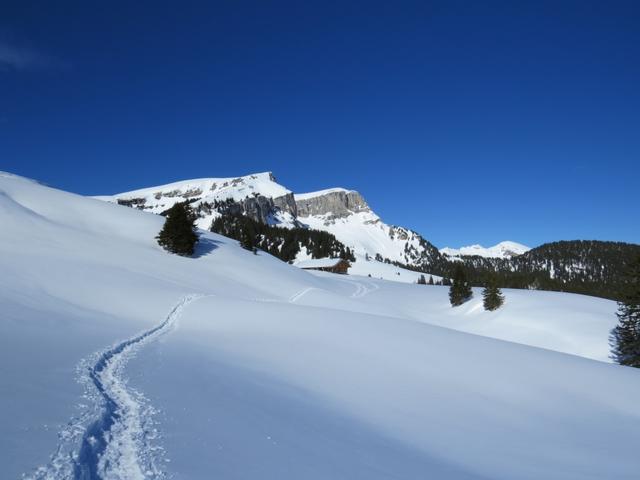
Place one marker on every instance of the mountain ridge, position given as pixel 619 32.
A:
pixel 342 212
pixel 588 267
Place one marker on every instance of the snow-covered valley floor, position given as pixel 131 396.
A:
pixel 119 360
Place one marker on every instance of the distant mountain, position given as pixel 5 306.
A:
pixel 505 249
pixel 341 212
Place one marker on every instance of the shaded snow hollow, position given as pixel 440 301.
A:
pixel 275 372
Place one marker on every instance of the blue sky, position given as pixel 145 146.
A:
pixel 470 122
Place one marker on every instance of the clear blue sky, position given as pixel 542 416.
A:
pixel 468 121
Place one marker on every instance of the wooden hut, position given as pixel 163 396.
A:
pixel 333 265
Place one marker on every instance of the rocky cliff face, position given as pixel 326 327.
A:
pixel 334 204
pixel 286 203
pixel 346 215
pixel 263 209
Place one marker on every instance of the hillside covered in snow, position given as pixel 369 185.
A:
pixel 120 360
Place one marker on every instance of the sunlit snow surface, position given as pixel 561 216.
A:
pixel 273 372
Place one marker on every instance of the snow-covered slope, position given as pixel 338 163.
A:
pixel 346 215
pixel 372 268
pixel 234 365
pixel 505 249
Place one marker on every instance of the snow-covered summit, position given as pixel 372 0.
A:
pixel 506 249
pixel 259 193
pixel 320 193
pixel 236 188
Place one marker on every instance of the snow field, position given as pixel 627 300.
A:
pixel 280 373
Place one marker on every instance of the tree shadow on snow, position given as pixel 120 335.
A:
pixel 204 247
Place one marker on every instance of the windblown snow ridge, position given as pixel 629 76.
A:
pixel 118 441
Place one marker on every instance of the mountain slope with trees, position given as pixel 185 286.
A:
pixel 283 243
pixel 590 267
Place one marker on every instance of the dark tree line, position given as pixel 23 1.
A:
pixel 580 266
pixel 283 243
pixel 588 267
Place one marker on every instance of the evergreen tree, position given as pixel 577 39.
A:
pixel 422 280
pixel 430 280
pixel 460 290
pixel 625 337
pixel 491 295
pixel 178 233
pixel 248 237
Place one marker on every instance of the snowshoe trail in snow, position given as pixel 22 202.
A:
pixel 117 434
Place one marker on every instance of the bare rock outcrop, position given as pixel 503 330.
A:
pixel 336 204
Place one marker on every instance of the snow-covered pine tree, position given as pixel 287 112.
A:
pixel 178 233
pixel 460 290
pixel 492 297
pixel 625 337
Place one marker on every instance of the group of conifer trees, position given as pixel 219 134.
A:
pixel 283 243
pixel 460 289
pixel 178 236
pixel 422 280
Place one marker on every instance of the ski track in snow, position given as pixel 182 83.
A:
pixel 116 432
pixel 301 293
pixel 362 287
